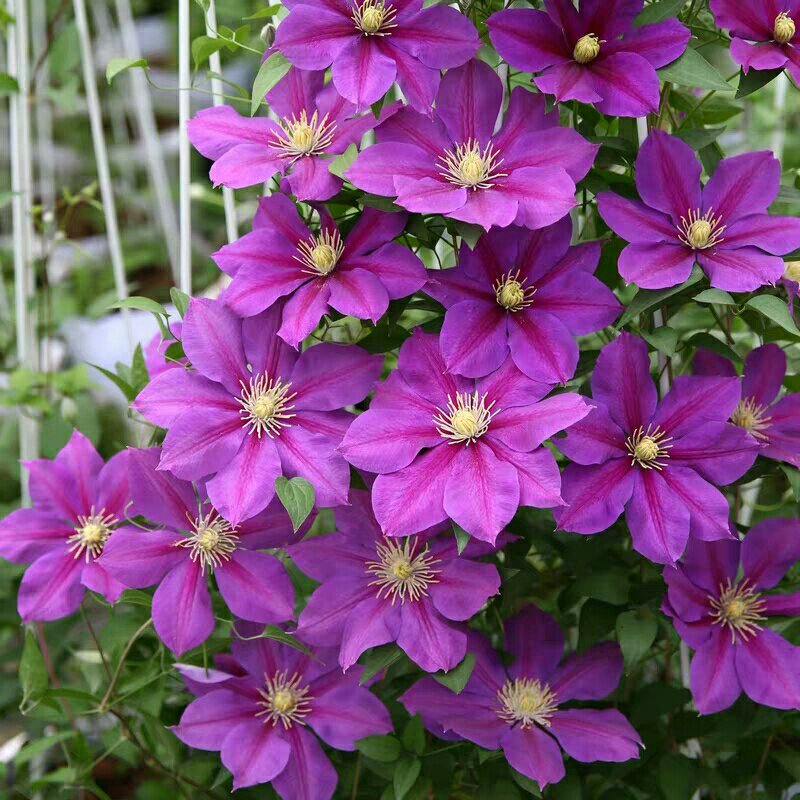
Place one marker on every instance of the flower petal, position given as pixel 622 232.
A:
pixel 27 534
pixel 541 346
pixel 591 675
pixel 713 679
pixel 777 235
pixel 533 753
pixel 594 496
pixel 633 220
pixel 247 165
pixel 759 172
pixel 462 588
pixel 742 270
pixel 309 774
pixel 428 639
pixel 536 642
pixel 627 83
pixel 206 721
pixel 527 39
pixel 374 621
pixel 311 37
pixel 362 72
pixel 656 266
pixel 358 293
pixel 769 670
pixel 694 401
pixel 707 506
pixel 473 337
pixel 769 550
pixel 215 130
pixel 594 439
pixel 323 619
pixel 256 587
pixel 469 101
pixel 255 752
pixel 158 495
pixel 593 734
pixel 764 369
pixel 51 587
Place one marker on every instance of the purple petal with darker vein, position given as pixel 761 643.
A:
pixel 255 753
pixel 769 670
pixel 428 639
pixel 309 774
pixel 634 221
pixel 591 734
pixel 246 165
pixel 594 439
pixel 362 72
pixel 51 587
pixel 764 370
pixel 469 101
pixel 591 675
pixel 627 84
pixel 527 39
pixel 769 550
pixel 463 587
pixel 656 265
pixel 533 753
pixel 714 683
pixel 374 621
pixel 27 534
pixel 589 505
pixel 536 642
pixel 759 172
pixel 206 720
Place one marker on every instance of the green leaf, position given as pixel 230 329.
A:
pixel 180 300
pixel 414 735
pixel 698 138
pixel 117 65
pixel 754 80
pixel 597 619
pixel 405 775
pixel 636 631
pixel 141 304
pixel 462 538
pixel 269 11
pixel 469 233
pixel 139 375
pixel 8 84
pixel 677 776
pixel 793 476
pixel 524 782
pixel 709 342
pixel 379 748
pixel 38 746
pixel 120 383
pixel 456 679
pixel 658 11
pixel 379 658
pixel 775 310
pixel 664 339
pixel 269 73
pixel 280 635
pixel 297 497
pixel 203 47
pixel 692 70
pixel 339 165
pixel 32 673
pixel 717 296
pixel 647 299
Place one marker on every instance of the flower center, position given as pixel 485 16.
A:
pixel 511 292
pixel 374 18
pixel 465 419
pixel 701 232
pixel 211 541
pixel 321 253
pixel 738 607
pixel 401 571
pixel 784 28
pixel 265 405
pixel 303 136
pixel 91 534
pixel 752 417
pixel 649 448
pixel 470 167
pixel 587 48
pixel 284 700
pixel 792 271
pixel 526 702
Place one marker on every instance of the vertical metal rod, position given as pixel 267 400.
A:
pixel 44 114
pixel 184 152
pixel 101 159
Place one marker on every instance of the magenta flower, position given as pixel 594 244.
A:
pixel 521 710
pixel 78 503
pixel 527 292
pixel 594 55
pixel 195 542
pixel 377 590
pixel 764 33
pixel 155 353
pixel 373 43
pixel 444 446
pixel 250 409
pixel 453 164
pixel 775 424
pixel 315 122
pixel 722 617
pixel 723 226
pixel 356 276
pixel 261 719
pixel 658 462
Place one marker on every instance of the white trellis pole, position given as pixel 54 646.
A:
pixel 184 151
pixel 44 114
pixel 148 132
pixel 217 89
pixel 101 158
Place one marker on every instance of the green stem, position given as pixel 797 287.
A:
pixel 121 663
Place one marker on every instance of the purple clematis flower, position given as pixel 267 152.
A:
pixel 521 710
pixel 377 590
pixel 655 461
pixel 196 542
pixel 250 409
pixel 356 276
pixel 262 717
pixel 155 353
pixel 527 292
pixel 593 55
pixel 774 424
pixel 78 503
pixel 721 615
pixel 445 446
pixel 315 123
pixel 373 43
pixel 454 164
pixel 764 33
pixel 724 225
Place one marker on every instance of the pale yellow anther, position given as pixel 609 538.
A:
pixel 371 19
pixel 511 294
pixel 472 169
pixel 785 28
pixel 283 701
pixel 208 539
pixel 402 569
pixel 375 18
pixel 303 138
pixel 587 48
pixel 646 450
pixel 324 257
pixel 699 233
pixel 792 271
pixel 93 533
pixel 465 422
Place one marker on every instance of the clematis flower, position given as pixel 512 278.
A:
pixel 444 446
pixel 194 543
pixel 723 226
pixel 315 123
pixel 250 409
pixel 658 462
pixel 764 33
pixel 78 503
pixel 376 590
pixel 453 164
pixel 356 275
pixel 521 710
pixel 593 55
pixel 775 424
pixel 373 43
pixel 527 292
pixel 264 717
pixel 155 353
pixel 721 612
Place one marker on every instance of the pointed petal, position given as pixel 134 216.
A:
pixel 591 675
pixel 594 496
pixel 255 752
pixel 309 775
pixel 469 101
pixel 462 588
pixel 51 587
pixel 759 172
pixel 536 642
pixel 592 734
pixel 533 753
pixel 256 587
pixel 374 621
pixel 428 639
pixel 769 670
pixel 158 495
pixel 769 550
pixel 713 679
pixel 656 266
pixel 742 270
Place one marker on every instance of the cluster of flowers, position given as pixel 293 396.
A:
pixel 457 431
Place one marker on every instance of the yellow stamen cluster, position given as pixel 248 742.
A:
pixel 701 232
pixel 321 253
pixel 738 607
pixel 784 29
pixel 211 541
pixel 266 404
pixel 587 48
pixel 511 292
pixel 526 702
pixel 374 18
pixel 303 136
pixel 470 166
pixel 752 417
pixel 792 272
pixel 465 419
pixel 91 534
pixel 649 448
pixel 402 572
pixel 284 700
